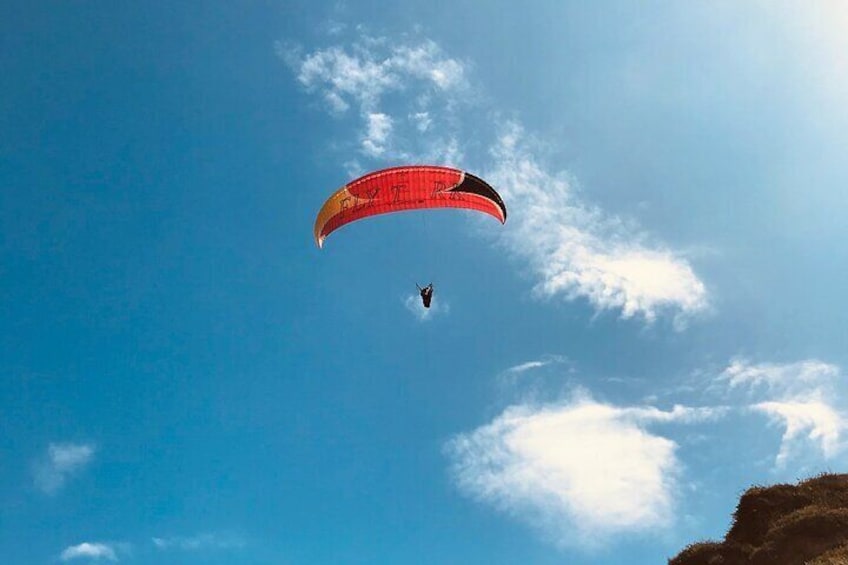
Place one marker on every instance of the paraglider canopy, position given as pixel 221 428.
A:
pixel 412 187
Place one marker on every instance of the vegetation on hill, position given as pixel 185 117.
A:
pixel 803 524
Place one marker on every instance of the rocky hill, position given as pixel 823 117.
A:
pixel 803 524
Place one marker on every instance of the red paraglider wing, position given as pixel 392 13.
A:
pixel 406 188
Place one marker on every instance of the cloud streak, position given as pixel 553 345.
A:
pixel 200 542
pixel 574 250
pixel 528 366
pixel 536 364
pixel 579 252
pixel 61 462
pixel 787 378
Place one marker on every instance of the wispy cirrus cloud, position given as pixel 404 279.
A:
pixel 578 251
pixel 524 367
pixel 783 379
pixel 90 551
pixel 574 250
pixel 561 468
pixel 803 397
pixel 61 462
pixel 536 364
pixel 200 542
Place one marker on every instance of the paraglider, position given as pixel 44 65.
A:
pixel 412 187
pixel 426 294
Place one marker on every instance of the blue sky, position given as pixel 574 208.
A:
pixel 186 378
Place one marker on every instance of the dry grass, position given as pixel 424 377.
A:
pixel 712 553
pixel 803 524
pixel 836 556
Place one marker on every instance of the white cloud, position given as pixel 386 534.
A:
pixel 780 378
pixel 426 61
pixel 91 551
pixel 372 69
pixel 523 367
pixel 803 397
pixel 354 168
pixel 62 461
pixel 346 76
pixel 336 102
pixel 335 28
pixel 582 472
pixel 377 133
pixel 678 413
pixel 422 121
pixel 573 250
pixel 536 364
pixel 208 541
pixel 577 251
pixel 821 422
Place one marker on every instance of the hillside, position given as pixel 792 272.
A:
pixel 782 524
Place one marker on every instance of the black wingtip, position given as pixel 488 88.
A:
pixel 476 185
